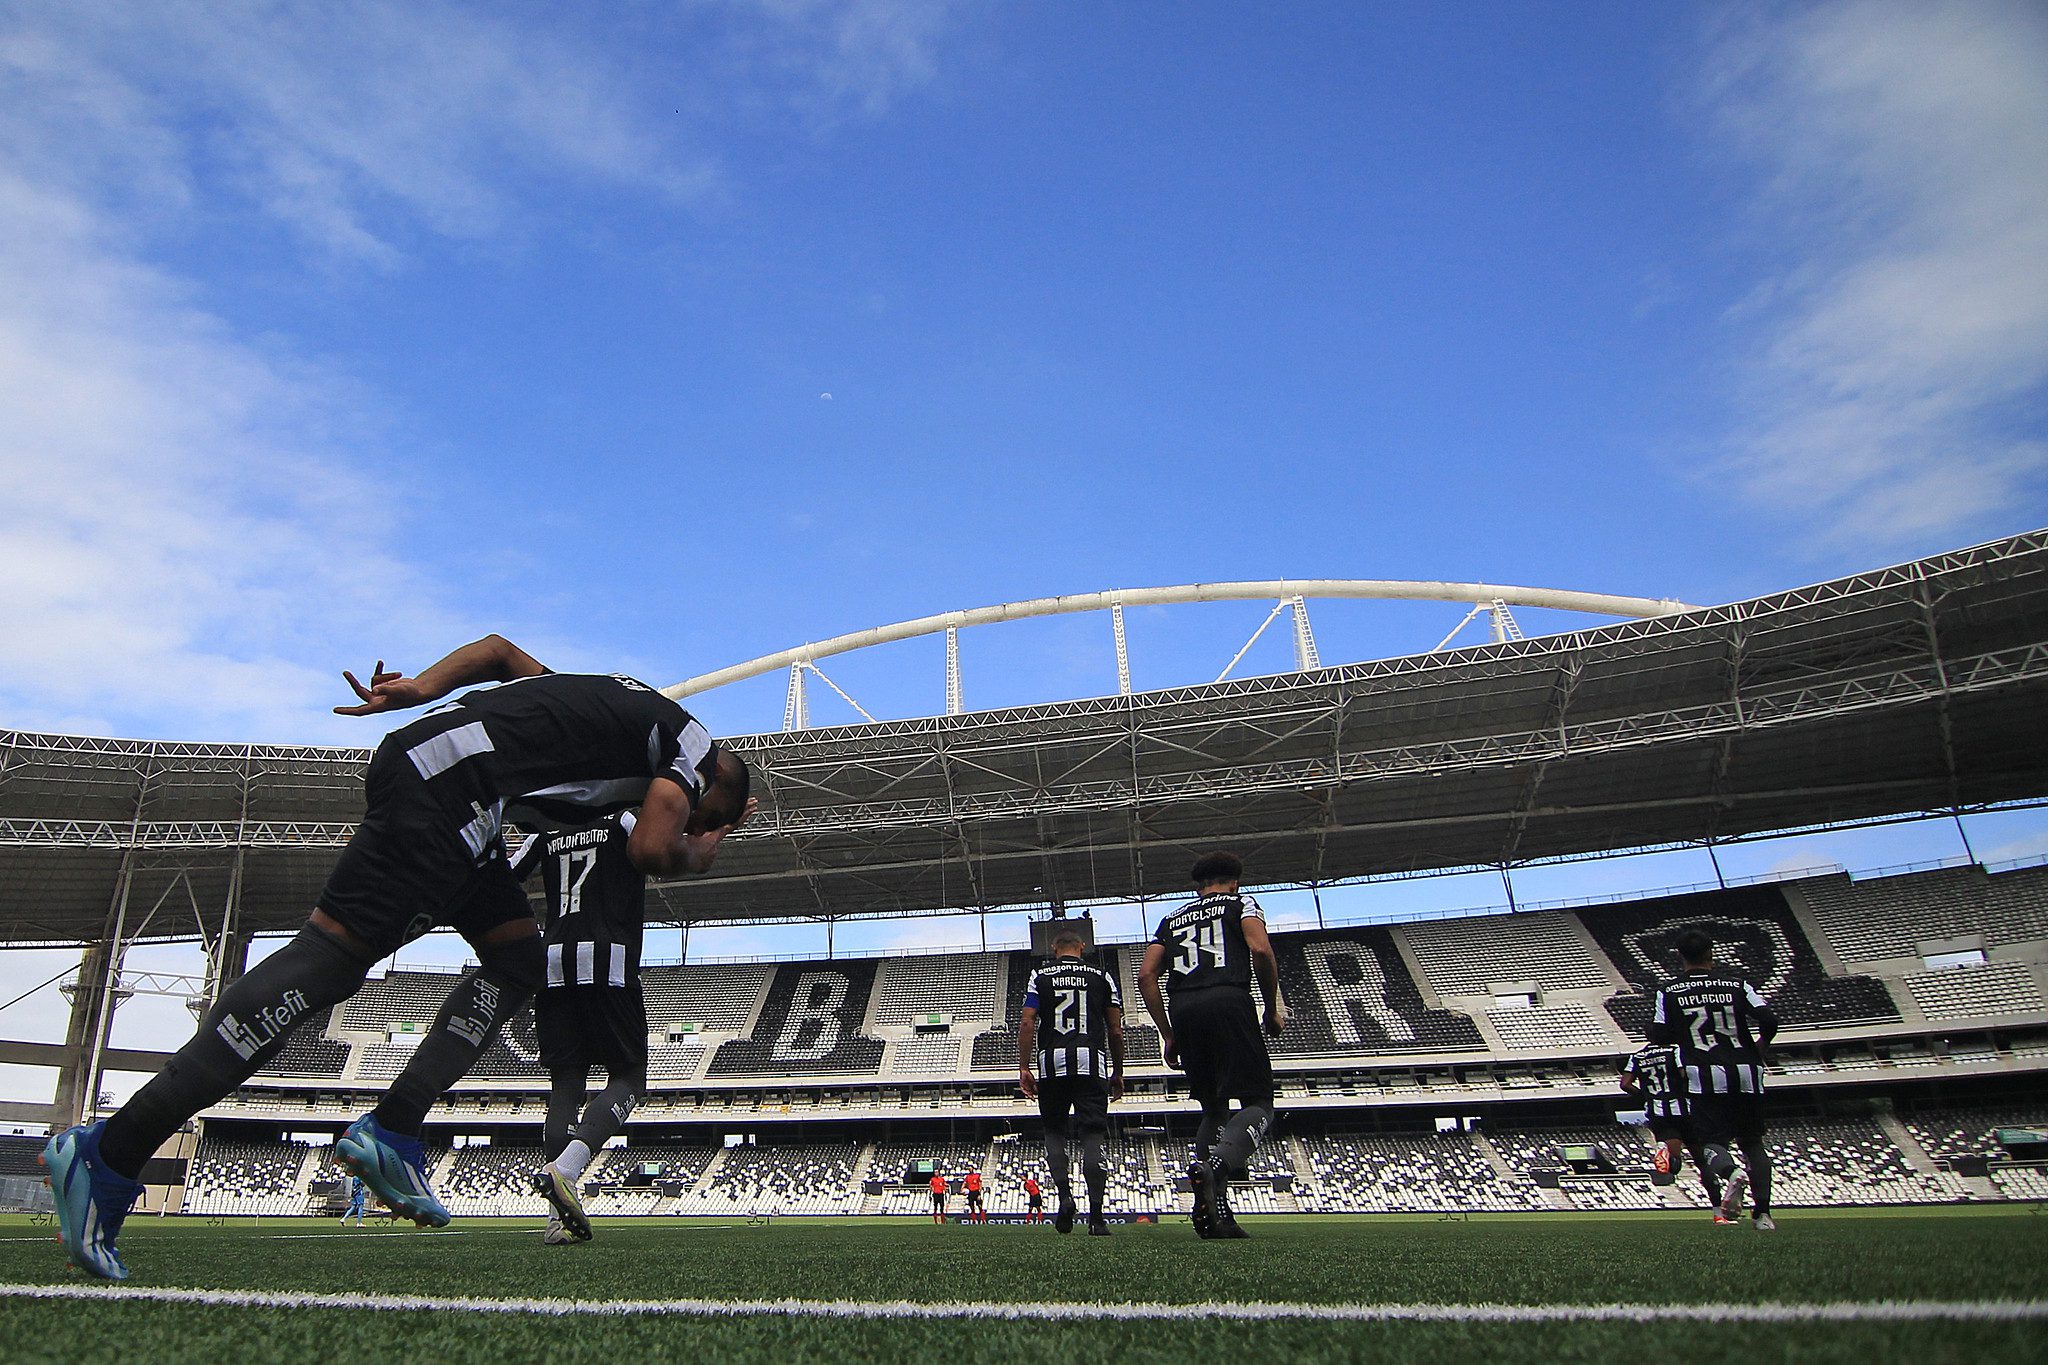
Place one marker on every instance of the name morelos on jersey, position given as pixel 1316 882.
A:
pixel 1071 1001
pixel 1204 942
pixel 594 915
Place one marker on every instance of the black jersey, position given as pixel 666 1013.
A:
pixel 1660 1081
pixel 1720 1026
pixel 1204 942
pixel 559 749
pixel 596 908
pixel 1072 1001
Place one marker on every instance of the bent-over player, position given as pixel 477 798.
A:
pixel 1721 1026
pixel 1072 1031
pixel 1209 951
pixel 589 1011
pixel 429 851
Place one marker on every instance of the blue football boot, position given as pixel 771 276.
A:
pixel 92 1201
pixel 395 1169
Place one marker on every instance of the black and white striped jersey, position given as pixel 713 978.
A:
pixel 1204 942
pixel 596 909
pixel 1720 1026
pixel 1660 1082
pixel 556 751
pixel 1071 1001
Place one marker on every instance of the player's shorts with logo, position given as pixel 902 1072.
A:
pixel 584 1026
pixel 407 867
pixel 1718 1120
pixel 1071 1104
pixel 1221 1045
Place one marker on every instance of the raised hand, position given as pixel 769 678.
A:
pixel 389 690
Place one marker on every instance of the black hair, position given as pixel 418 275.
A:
pixel 1695 948
pixel 1072 936
pixel 726 787
pixel 1213 868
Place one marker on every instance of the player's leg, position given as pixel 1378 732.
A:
pixel 1055 1109
pixel 1091 1124
pixel 94 1168
pixel 1756 1159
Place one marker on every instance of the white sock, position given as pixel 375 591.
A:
pixel 569 1165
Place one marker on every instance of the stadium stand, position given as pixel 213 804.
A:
pixel 1757 934
pixel 1988 991
pixel 996 1049
pixel 490 1180
pixel 1884 918
pixel 1135 1183
pixel 809 1025
pixel 1827 1163
pixel 1551 1028
pixel 1471 956
pixel 247 1178
pixel 396 998
pixel 309 1052
pixel 21 1156
pixel 960 984
pixel 1437 1173
pixel 1348 991
pixel 779 1179
pixel 1952 1135
pixel 717 999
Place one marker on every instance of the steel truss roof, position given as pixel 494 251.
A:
pixel 1918 687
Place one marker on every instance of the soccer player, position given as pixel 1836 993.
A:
pixel 1034 1200
pixel 1721 1027
pixel 975 1212
pixel 1210 951
pixel 1072 1031
pixel 1653 1075
pixel 563 747
pixel 938 1198
pixel 355 1202
pixel 589 1011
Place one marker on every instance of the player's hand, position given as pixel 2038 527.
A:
pixel 1166 1045
pixel 388 691
pixel 1027 1082
pixel 746 812
pixel 1276 1020
pixel 1116 1087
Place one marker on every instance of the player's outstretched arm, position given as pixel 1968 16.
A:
pixel 491 659
pixel 662 843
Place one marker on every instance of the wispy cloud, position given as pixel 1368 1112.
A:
pixel 1899 352
pixel 187 543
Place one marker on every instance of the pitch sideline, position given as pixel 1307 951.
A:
pixel 1983 1310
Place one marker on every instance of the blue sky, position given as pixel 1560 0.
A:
pixel 339 331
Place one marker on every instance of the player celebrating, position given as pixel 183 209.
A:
pixel 1653 1075
pixel 1034 1200
pixel 975 1212
pixel 428 852
pixel 590 1011
pixel 1721 1026
pixel 1209 951
pixel 1072 1028
pixel 938 1198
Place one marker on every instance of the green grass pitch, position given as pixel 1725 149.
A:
pixel 1846 1256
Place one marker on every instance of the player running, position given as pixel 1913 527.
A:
pixel 590 1011
pixel 938 1198
pixel 1034 1201
pixel 556 747
pixel 975 1212
pixel 1653 1075
pixel 1209 951
pixel 1072 1031
pixel 1721 1026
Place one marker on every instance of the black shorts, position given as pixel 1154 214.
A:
pixel 1037 1201
pixel 1085 1098
pixel 1668 1129
pixel 584 1026
pixel 1221 1046
pixel 938 1201
pixel 407 870
pixel 1718 1120
pixel 974 1199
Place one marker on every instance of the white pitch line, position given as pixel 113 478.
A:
pixel 1982 1310
pixel 366 1233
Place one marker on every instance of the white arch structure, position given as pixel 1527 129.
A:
pixel 1290 593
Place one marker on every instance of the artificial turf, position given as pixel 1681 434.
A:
pixel 1857 1256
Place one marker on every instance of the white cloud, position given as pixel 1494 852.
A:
pixel 187 545
pixel 1900 350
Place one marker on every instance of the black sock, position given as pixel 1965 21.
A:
pixel 607 1114
pixel 476 1008
pixel 1240 1138
pixel 245 1028
pixel 1759 1162
pixel 565 1103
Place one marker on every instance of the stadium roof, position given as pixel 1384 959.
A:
pixel 1921 687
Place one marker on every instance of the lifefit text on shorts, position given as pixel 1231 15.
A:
pixel 272 1022
pixel 475 1028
